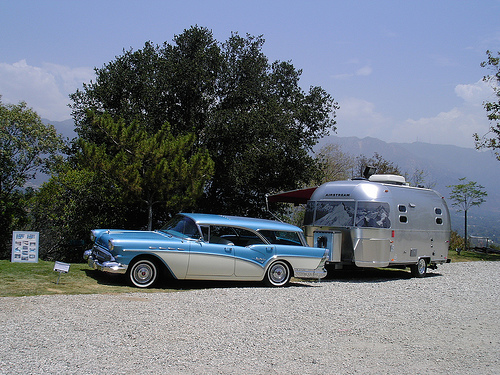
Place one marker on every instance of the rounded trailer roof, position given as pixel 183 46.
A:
pixel 350 190
pixel 366 190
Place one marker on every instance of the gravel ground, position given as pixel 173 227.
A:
pixel 371 322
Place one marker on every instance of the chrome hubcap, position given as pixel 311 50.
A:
pixel 421 266
pixel 278 273
pixel 143 273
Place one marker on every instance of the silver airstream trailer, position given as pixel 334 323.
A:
pixel 376 222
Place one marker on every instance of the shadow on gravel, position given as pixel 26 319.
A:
pixel 172 284
pixel 372 275
pixel 367 275
pixel 207 284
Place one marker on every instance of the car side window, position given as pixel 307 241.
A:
pixel 227 235
pixel 279 237
pixel 205 231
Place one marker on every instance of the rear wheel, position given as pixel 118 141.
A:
pixel 278 274
pixel 143 273
pixel 419 269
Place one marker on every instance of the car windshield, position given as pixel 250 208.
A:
pixel 182 226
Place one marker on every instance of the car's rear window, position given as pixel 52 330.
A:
pixel 278 237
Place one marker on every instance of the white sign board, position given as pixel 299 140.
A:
pixel 61 267
pixel 25 247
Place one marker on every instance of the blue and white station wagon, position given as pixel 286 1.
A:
pixel 208 247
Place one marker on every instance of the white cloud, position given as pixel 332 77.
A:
pixel 476 93
pixel 363 71
pixel 444 61
pixel 359 118
pixel 45 88
pixel 456 126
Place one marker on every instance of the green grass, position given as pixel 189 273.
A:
pixel 31 279
pixel 472 256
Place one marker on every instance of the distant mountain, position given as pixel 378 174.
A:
pixel 66 128
pixel 445 165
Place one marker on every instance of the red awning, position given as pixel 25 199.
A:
pixel 300 196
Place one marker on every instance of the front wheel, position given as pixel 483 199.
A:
pixel 143 273
pixel 419 269
pixel 278 274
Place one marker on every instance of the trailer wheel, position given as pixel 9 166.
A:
pixel 419 269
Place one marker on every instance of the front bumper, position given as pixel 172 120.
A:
pixel 109 267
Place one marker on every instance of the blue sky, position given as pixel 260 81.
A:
pixel 402 71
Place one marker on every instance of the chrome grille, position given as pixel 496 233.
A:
pixel 101 255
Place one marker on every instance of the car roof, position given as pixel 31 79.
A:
pixel 239 221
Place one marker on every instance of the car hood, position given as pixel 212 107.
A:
pixel 133 238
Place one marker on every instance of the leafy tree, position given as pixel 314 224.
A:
pixel 27 146
pixel 466 195
pixel 157 84
pixel 336 164
pixel 382 165
pixel 492 138
pixel 262 129
pixel 13 216
pixel 419 178
pixel 456 242
pixel 251 115
pixel 70 204
pixel 154 169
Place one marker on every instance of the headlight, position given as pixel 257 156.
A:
pixel 111 246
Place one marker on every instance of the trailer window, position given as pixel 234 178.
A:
pixel 334 214
pixel 403 219
pixel 439 221
pixel 438 211
pixel 373 215
pixel 309 215
pixel 402 208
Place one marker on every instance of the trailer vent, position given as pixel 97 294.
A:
pixel 388 179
